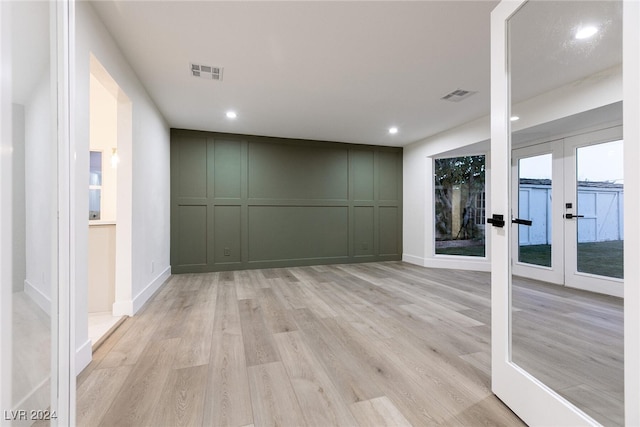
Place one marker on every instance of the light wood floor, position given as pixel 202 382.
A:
pixel 366 344
pixel 573 342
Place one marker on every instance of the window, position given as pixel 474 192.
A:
pixel 95 184
pixel 460 206
pixel 479 213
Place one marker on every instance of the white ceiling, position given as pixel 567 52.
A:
pixel 332 70
pixel 337 71
pixel 544 53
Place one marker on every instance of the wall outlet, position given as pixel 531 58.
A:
pixel 153 266
pixel 227 252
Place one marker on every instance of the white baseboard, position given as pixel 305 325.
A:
pixel 452 262
pixel 411 259
pixel 131 307
pixel 465 263
pixel 83 356
pixel 41 300
pixel 146 293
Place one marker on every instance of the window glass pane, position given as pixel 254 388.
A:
pixel 94 204
pixel 95 168
pixel 95 184
pixel 460 206
pixel 600 208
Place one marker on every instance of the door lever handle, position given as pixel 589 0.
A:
pixel 571 216
pixel 522 221
pixel 496 220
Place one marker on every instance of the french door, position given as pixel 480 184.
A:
pixel 37 370
pixel 537 193
pixel 529 397
pixel 572 191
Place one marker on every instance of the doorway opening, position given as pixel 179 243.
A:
pixel 110 126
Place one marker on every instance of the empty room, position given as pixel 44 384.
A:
pixel 323 213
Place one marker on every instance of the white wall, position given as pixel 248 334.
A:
pixel 18 199
pixel 148 161
pixel 418 232
pixel 41 195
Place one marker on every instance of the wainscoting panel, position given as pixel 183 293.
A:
pixel 298 232
pixel 254 202
pixel 192 235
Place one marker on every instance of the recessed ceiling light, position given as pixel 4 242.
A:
pixel 393 130
pixel 231 115
pixel 514 118
pixel 586 32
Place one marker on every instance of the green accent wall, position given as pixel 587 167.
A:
pixel 242 202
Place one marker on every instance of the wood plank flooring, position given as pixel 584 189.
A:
pixel 572 340
pixel 381 344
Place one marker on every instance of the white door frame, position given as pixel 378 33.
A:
pixel 61 17
pixel 573 278
pixel 555 273
pixel 529 398
pixel 6 249
pixel 62 401
pixel 631 136
pixel 64 394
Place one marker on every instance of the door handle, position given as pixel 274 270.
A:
pixel 522 221
pixel 571 216
pixel 496 220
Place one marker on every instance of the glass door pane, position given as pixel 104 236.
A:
pixel 555 335
pixel 30 278
pixel 600 198
pixel 534 204
pixel 537 176
pixel 593 215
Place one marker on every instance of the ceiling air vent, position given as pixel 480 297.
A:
pixel 458 95
pixel 206 72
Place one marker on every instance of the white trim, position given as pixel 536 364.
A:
pixel 499 190
pixel 450 262
pixel 131 307
pixel 6 250
pixel 124 196
pixel 631 133
pixel 413 259
pixel 98 222
pixel 531 400
pixel 41 300
pixel 63 394
pixel 573 278
pixel 458 263
pixel 123 308
pixel 83 356
pixel 555 273
pixel 151 289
